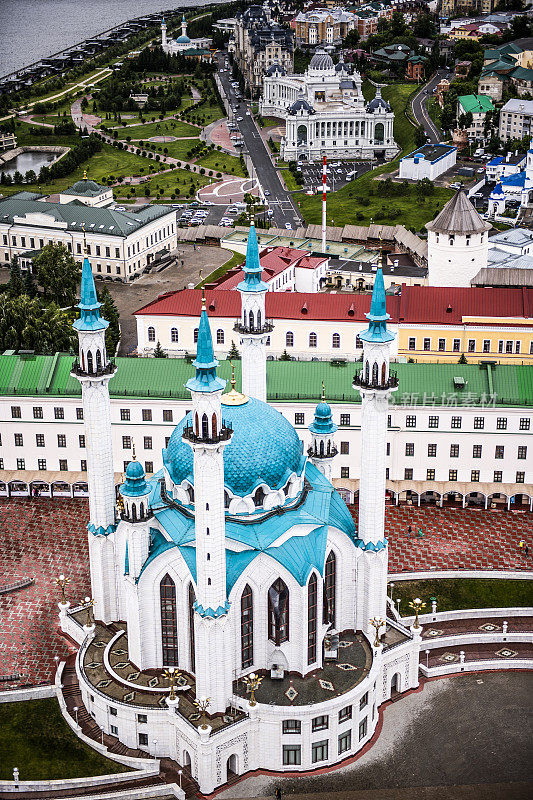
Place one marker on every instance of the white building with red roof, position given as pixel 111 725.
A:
pixel 285 269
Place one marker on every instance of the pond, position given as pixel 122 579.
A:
pixel 26 161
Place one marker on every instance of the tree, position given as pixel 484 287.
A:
pixel 58 274
pixel 110 313
pixel 420 136
pixel 285 356
pixel 462 359
pixel 15 287
pixel 30 287
pixel 25 324
pixel 159 352
pixel 351 40
pixel 233 352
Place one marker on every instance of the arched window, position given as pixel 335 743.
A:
pixel 259 496
pixel 190 492
pixel 133 512
pixel 251 320
pixel 329 589
pixel 278 612
pixel 312 592
pixel 151 334
pixel 90 362
pixel 191 600
pixel 220 336
pixel 98 360
pixel 169 630
pixel 226 500
pixel 367 373
pixel 375 370
pixel 322 447
pixel 313 340
pixel 141 511
pixel 214 425
pixel 247 628
pixel 174 335
pixel 336 340
pixel 196 424
pixel 195 335
pixel 205 427
pixel 289 339
pixel 258 318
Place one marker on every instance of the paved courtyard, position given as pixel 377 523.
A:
pixel 42 538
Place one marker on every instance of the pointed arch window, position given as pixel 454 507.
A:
pixel 278 612
pixel 214 425
pixel 383 374
pixel 251 320
pixel 258 317
pixel 374 374
pixel 169 629
pixel 330 577
pixel 191 600
pixel 98 360
pixel 367 372
pixel 259 496
pixel 247 628
pixel 89 362
pixel 312 594
pixel 205 427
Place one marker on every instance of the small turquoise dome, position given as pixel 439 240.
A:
pixel 264 448
pixel 135 484
pixel 323 422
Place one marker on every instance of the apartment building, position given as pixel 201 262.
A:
pixel 515 119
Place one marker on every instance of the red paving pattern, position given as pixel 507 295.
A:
pixel 456 538
pixel 39 539
pixel 42 538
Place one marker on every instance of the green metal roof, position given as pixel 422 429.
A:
pixel 97 220
pixel 475 103
pixel 297 380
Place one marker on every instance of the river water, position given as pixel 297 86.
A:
pixel 34 29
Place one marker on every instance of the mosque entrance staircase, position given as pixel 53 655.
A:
pixel 169 769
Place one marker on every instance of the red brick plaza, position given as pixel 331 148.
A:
pixel 42 538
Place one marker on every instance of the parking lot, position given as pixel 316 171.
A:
pixel 196 214
pixel 338 175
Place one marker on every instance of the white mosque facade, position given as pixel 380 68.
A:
pixel 326 114
pixel 238 569
pixel 183 44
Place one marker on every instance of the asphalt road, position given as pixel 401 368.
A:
pixel 279 200
pixel 420 112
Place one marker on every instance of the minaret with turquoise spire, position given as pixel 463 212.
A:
pixel 163 33
pixel 208 434
pixel 253 327
pixel 94 371
pixel 322 429
pixel 183 26
pixel 375 384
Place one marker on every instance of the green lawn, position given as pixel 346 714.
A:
pixel 270 122
pixel 35 738
pixel 290 180
pixel 179 148
pixel 222 162
pixel 455 593
pixel 206 113
pixel 168 182
pixel 169 127
pixel 234 261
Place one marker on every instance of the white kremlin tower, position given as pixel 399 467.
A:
pixel 458 243
pixel 253 327
pixel 94 371
pixel 375 384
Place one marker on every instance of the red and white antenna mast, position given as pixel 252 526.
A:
pixel 324 176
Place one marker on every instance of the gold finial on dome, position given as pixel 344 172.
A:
pixel 233 397
pixel 133 452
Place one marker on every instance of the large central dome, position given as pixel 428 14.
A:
pixel 264 448
pixel 321 60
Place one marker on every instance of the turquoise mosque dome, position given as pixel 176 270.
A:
pixel 264 448
pixel 135 483
pixel 183 40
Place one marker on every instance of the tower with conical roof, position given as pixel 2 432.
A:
pixel 253 328
pixel 458 243
pixel 94 371
pixel 375 383
pixel 163 33
pixel 323 429
pixel 208 434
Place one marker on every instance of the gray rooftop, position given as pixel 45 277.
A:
pixel 515 236
pixel 458 216
pixel 97 220
pixel 85 188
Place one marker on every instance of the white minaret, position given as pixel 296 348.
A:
pixel 497 200
pixel 458 243
pixel 208 435
pixel 528 183
pixel 323 429
pixel 253 327
pixel 183 26
pixel 163 33
pixel 132 543
pixel 375 384
pixel 94 371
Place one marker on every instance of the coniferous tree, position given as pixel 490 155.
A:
pixel 233 352
pixel 15 287
pixel 30 287
pixel 159 352
pixel 110 313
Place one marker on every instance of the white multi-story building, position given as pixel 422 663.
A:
pixel 326 114
pixel 323 26
pixel 515 119
pixel 121 243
